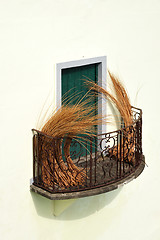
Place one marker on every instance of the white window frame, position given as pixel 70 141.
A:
pixel 102 74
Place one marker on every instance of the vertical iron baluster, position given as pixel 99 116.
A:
pixel 120 153
pixel 138 142
pixel 86 159
pixel 53 164
pixel 40 161
pixel 140 131
pixel 123 139
pixel 95 159
pixel 117 154
pixel 90 162
pixel 34 157
pixel 37 158
pixel 135 144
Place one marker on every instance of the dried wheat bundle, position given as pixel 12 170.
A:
pixel 121 100
pixel 67 122
pixel 122 103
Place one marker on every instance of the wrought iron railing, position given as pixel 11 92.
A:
pixel 102 160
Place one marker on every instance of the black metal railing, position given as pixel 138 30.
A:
pixel 92 163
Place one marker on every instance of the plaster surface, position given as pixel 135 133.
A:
pixel 34 36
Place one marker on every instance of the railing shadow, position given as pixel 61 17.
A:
pixel 81 208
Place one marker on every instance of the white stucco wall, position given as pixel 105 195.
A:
pixel 34 36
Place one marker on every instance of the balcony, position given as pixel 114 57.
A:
pixel 104 162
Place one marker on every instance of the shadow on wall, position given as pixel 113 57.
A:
pixel 81 208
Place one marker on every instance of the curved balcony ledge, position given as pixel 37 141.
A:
pixel 91 192
pixel 109 160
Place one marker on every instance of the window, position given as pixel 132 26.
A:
pixel 69 80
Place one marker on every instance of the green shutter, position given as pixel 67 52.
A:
pixel 72 80
pixel 73 84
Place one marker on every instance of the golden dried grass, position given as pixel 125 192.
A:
pixel 122 103
pixel 121 100
pixel 68 121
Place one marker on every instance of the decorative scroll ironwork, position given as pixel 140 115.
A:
pixel 102 160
